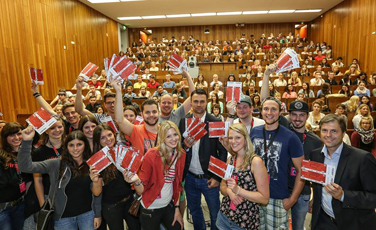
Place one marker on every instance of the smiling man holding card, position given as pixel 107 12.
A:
pixel 350 201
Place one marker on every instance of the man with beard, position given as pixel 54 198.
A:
pixel 72 118
pixel 167 104
pixel 273 142
pixel 108 99
pixel 298 112
pixel 198 180
pixel 142 137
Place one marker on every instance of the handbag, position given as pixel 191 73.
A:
pixel 134 210
pixel 46 216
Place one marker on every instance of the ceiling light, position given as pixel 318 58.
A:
pixel 203 14
pixel 102 1
pixel 153 17
pixel 130 0
pixel 308 11
pixel 229 13
pixel 178 15
pixel 280 11
pixel 130 18
pixel 256 12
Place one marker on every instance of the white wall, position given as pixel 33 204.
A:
pixel 123 38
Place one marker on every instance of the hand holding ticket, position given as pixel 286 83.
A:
pixel 220 168
pixel 317 172
pixel 287 61
pixel 177 64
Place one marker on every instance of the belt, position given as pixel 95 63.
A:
pixel 333 220
pixel 200 176
pixel 11 203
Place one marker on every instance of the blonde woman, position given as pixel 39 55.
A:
pixel 159 180
pixel 362 111
pixel 294 79
pixel 352 104
pixel 247 187
pixel 315 116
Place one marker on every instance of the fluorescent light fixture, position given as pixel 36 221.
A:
pixel 308 11
pixel 103 1
pixel 178 15
pixel 229 13
pixel 130 0
pixel 280 11
pixel 203 14
pixel 153 17
pixel 256 12
pixel 130 18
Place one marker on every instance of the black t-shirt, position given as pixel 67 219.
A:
pixel 45 153
pixel 311 142
pixel 68 127
pixel 116 190
pixel 79 196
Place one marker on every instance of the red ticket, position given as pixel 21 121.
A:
pixel 220 168
pixel 99 160
pixel 36 75
pixel 88 71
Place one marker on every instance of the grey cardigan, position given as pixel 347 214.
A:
pixel 51 167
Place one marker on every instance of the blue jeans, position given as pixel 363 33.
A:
pixel 299 212
pixel 12 218
pixel 223 223
pixel 194 188
pixel 84 221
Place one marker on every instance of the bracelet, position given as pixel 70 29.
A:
pixel 237 193
pixel 36 95
pixel 137 183
pixel 231 115
pixel 177 206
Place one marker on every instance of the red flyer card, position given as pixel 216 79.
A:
pixel 100 160
pixel 123 68
pixel 110 122
pixel 314 166
pixel 313 176
pixel 41 121
pixel 200 133
pixel 36 75
pixel 220 168
pixel 233 91
pixel 312 170
pixel 218 129
pixel 288 60
pixel 88 71
pixel 132 161
pixel 190 123
pixel 194 131
pixel 139 120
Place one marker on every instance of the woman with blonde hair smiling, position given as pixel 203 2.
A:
pixel 362 111
pixel 159 180
pixel 247 187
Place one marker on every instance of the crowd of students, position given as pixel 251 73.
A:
pixel 266 151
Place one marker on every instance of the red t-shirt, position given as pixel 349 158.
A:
pixel 317 58
pixel 153 86
pixel 98 84
pixel 142 139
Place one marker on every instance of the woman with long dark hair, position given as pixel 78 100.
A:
pixel 77 205
pixel 117 195
pixel 87 125
pixel 160 180
pixel 307 92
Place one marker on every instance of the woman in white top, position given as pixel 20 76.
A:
pixel 280 81
pixel 315 116
pixel 362 111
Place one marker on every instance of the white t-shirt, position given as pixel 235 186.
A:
pixel 256 122
pixel 212 83
pixel 220 94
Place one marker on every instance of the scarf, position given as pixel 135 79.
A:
pixel 366 136
pixel 359 91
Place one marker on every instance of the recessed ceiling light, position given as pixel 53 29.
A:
pixel 103 1
pixel 308 11
pixel 153 17
pixel 229 13
pixel 178 15
pixel 130 18
pixel 256 12
pixel 280 11
pixel 203 14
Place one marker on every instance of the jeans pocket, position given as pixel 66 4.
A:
pixel 146 212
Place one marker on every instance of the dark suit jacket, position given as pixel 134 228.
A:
pixel 356 174
pixel 208 147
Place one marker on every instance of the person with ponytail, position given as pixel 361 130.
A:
pixel 159 180
pixel 77 200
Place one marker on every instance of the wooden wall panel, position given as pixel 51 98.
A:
pixel 221 32
pixel 33 33
pixel 348 28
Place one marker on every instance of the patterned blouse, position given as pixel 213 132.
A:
pixel 246 214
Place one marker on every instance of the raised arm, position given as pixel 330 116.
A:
pixel 187 102
pixel 125 126
pixel 79 105
pixel 42 102
pixel 264 92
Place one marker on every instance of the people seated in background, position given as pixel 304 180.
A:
pixel 153 84
pixel 206 58
pixel 355 62
pixel 103 75
pixel 146 74
pixel 304 71
pixel 231 78
pixel 92 104
pixel 325 90
pixel 232 58
pixel 259 73
pixel 154 66
pixel 175 99
pixel 300 97
pixel 93 92
pixel 338 63
pixel 372 78
pixel 215 111
pixel 294 79
pixel 179 91
pixel 331 80
pixel 341 111
pixel 217 58
pixel 364 136
pixel 324 63
pixel 260 81
pixel 366 100
pixel 159 92
pixel 94 81
pixel 251 89
pixel 315 115
pixel 130 94
pixel 362 77
pixel 143 92
pixel 201 83
pixel 248 80
pixel 345 89
pixel 319 56
pixel 308 93
pixel 289 92
pixel 317 81
pixel 214 99
pixel 256 103
pixel 84 86
pixel 336 71
pixel 278 96
pixel 139 82
pixel 215 80
pixel 362 90
pixel 362 111
pixel 168 83
pixel 280 81
pixel 216 88
pixel 351 74
pixel 99 109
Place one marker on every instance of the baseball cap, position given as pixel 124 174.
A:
pixel 62 92
pixel 299 106
pixel 246 99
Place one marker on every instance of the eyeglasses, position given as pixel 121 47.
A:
pixel 110 103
